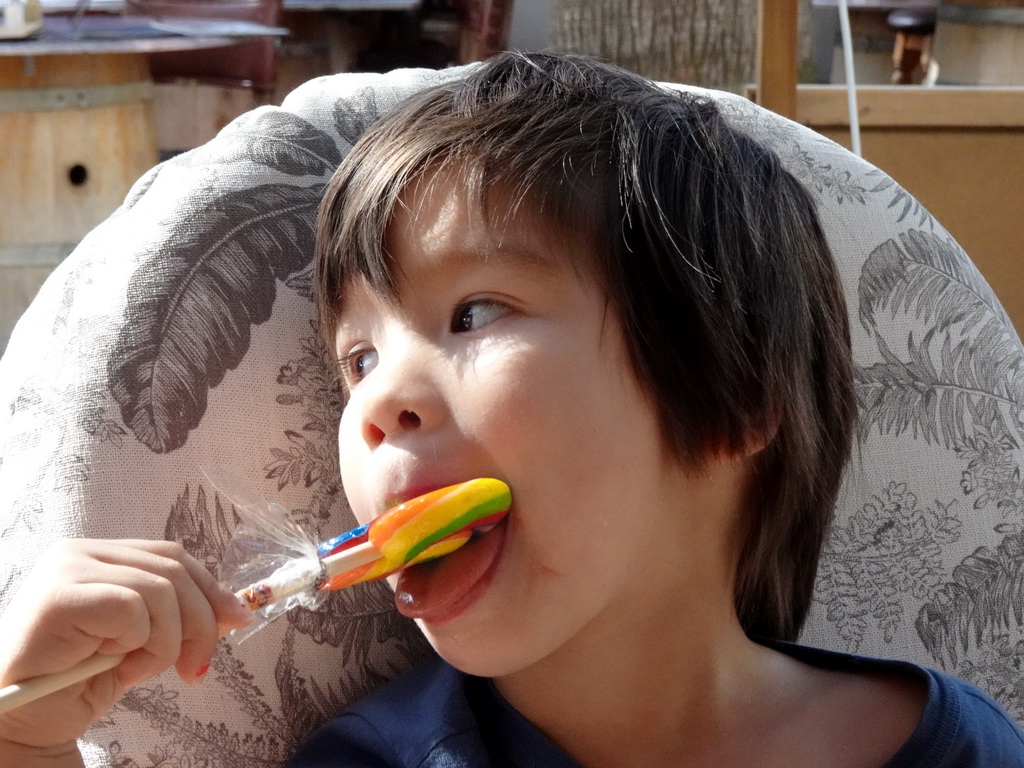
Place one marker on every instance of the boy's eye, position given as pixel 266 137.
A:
pixel 358 363
pixel 474 315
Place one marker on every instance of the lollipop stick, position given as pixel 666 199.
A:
pixel 19 694
pixel 347 559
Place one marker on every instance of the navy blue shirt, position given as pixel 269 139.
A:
pixel 438 717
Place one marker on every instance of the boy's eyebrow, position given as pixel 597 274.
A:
pixel 454 259
pixel 509 254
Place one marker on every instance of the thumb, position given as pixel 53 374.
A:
pixel 229 611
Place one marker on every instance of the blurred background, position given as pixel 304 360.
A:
pixel 95 92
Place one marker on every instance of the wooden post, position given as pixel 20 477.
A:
pixel 777 55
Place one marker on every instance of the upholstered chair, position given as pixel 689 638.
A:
pixel 179 335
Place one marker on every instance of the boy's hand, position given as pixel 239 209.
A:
pixel 149 600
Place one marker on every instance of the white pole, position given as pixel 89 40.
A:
pixel 851 83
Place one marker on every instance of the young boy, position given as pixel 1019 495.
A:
pixel 557 274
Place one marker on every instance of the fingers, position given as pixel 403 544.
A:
pixel 148 600
pixel 227 609
pixel 189 611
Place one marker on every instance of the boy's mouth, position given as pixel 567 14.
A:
pixel 438 591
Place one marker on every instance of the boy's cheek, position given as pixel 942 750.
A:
pixel 350 463
pixel 356 497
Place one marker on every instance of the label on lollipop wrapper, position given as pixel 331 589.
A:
pixel 256 596
pixel 294 578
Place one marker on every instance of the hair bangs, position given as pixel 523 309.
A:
pixel 517 170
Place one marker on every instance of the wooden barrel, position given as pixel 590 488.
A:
pixel 980 42
pixel 76 131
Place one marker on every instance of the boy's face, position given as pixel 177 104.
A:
pixel 499 360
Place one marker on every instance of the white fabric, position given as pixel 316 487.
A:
pixel 178 335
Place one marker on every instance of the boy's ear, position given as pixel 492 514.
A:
pixel 759 439
pixel 756 439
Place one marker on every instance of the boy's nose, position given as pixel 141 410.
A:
pixel 399 398
pixel 409 419
pixel 375 435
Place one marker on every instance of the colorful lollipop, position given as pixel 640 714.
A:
pixel 417 530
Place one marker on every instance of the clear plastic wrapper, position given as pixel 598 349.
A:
pixel 267 549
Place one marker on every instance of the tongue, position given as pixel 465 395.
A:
pixel 438 590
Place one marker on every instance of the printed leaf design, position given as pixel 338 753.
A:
pixel 203 534
pixel 901 199
pixel 94 422
pixel 992 475
pixel 358 109
pixel 985 597
pixel 966 369
pixel 14 577
pixel 996 669
pixel 353 115
pixel 941 400
pixel 311 458
pixel 301 464
pixel 306 704
pixel 356 620
pixel 115 757
pixel 198 296
pixel 824 178
pixel 304 713
pixel 279 140
pixel 922 274
pixel 888 549
pixel 302 282
pixel 230 672
pixel 202 744
pixel 310 703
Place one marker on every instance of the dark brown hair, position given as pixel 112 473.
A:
pixel 711 253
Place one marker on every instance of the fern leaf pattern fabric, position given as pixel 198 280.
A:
pixel 180 334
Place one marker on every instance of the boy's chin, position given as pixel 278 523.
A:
pixel 493 660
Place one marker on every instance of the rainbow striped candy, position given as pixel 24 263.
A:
pixel 421 529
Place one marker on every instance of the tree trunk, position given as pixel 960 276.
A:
pixel 709 43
